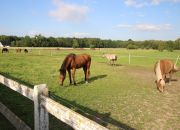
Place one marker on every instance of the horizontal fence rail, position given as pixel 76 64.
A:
pixel 17 123
pixel 70 117
pixel 20 88
pixel 44 105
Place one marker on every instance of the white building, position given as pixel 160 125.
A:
pixel 1 45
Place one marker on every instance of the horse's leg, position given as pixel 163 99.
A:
pixel 88 72
pixel 69 72
pixel 73 75
pixel 85 72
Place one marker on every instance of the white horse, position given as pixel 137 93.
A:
pixel 161 69
pixel 111 58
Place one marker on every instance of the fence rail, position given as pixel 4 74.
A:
pixel 44 105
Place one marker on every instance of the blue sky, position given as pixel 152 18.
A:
pixel 106 19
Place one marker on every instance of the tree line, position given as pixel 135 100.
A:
pixel 42 41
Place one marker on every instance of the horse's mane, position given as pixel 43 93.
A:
pixel 65 62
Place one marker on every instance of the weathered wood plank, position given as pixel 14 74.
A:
pixel 20 88
pixel 70 117
pixel 15 121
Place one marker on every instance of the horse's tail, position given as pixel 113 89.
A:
pixel 175 68
pixel 115 57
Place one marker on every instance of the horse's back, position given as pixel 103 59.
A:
pixel 72 60
pixel 5 49
pixel 166 66
pixel 82 60
pixel 111 56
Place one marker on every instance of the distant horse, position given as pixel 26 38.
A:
pixel 18 50
pixel 161 69
pixel 111 57
pixel 5 50
pixel 25 51
pixel 73 62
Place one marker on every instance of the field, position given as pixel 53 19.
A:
pixel 119 97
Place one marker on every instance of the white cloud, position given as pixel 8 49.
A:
pixel 68 12
pixel 146 27
pixel 123 26
pixel 142 3
pixel 135 3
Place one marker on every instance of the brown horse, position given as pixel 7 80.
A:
pixel 161 69
pixel 5 50
pixel 73 62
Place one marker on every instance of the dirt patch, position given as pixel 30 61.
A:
pixel 168 113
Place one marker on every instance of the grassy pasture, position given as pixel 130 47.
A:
pixel 122 96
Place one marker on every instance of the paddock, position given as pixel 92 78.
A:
pixel 118 97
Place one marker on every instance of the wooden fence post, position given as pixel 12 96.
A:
pixel 41 118
pixel 177 60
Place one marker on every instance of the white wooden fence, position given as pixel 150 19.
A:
pixel 44 105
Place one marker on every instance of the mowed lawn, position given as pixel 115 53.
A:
pixel 119 97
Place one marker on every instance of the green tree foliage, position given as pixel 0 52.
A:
pixel 161 47
pixel 41 41
pixel 169 46
pixel 75 43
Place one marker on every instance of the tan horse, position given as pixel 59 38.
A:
pixel 18 50
pixel 73 62
pixel 161 69
pixel 111 58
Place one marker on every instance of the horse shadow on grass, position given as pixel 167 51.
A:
pixel 167 80
pixel 92 79
pixel 115 65
pixel 101 118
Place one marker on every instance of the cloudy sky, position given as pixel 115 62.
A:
pixel 106 19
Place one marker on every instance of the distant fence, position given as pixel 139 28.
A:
pixel 44 105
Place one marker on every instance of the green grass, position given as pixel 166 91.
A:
pixel 121 96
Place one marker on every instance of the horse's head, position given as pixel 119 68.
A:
pixel 62 76
pixel 160 85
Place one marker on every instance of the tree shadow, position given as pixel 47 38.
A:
pixel 101 118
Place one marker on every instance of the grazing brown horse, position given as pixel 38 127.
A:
pixel 5 50
pixel 18 50
pixel 73 62
pixel 25 51
pixel 161 69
